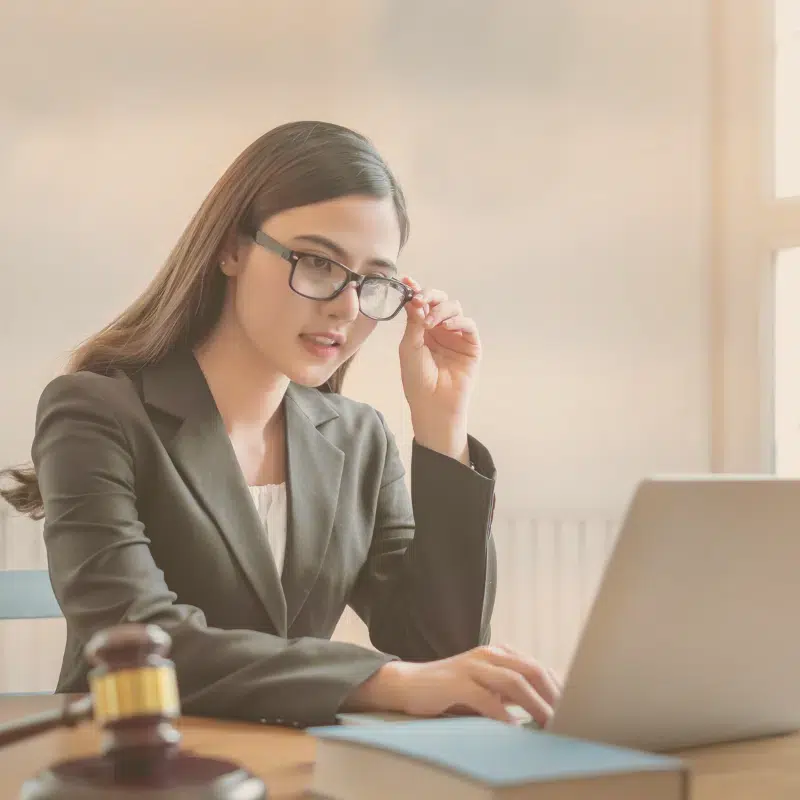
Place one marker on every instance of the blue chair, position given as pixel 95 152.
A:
pixel 27 594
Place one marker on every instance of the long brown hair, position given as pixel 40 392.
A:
pixel 290 166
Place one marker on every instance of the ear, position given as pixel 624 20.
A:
pixel 231 260
pixel 230 266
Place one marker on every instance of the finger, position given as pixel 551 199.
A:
pixel 440 312
pixel 433 297
pixel 416 309
pixel 557 680
pixel 448 337
pixel 512 688
pixel 415 287
pixel 464 325
pixel 479 700
pixel 536 675
pixel 413 284
pixel 540 677
pixel 409 281
pixel 414 334
pixel 429 298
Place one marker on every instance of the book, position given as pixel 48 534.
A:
pixel 475 758
pixel 369 717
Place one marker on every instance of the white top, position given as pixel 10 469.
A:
pixel 270 501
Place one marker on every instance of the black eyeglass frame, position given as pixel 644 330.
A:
pixel 293 256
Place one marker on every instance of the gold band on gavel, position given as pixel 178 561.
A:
pixel 134 693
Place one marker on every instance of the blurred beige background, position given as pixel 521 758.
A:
pixel 559 160
pixel 556 161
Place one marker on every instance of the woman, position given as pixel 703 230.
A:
pixel 198 469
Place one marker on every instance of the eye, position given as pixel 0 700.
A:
pixel 385 274
pixel 314 263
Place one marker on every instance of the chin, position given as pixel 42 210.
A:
pixel 312 377
pixel 312 372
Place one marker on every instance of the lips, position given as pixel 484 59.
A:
pixel 322 345
pixel 323 341
pixel 325 338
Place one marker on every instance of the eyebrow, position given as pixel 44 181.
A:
pixel 340 252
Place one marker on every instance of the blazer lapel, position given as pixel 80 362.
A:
pixel 202 451
pixel 314 472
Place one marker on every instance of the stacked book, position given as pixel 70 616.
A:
pixel 473 758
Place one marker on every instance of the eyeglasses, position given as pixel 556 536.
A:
pixel 320 278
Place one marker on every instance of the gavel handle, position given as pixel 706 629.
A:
pixel 71 713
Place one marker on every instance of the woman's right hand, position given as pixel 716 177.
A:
pixel 480 681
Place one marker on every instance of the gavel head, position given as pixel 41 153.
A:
pixel 135 693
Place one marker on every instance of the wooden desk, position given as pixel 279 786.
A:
pixel 283 758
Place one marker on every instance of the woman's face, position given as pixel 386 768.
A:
pixel 290 331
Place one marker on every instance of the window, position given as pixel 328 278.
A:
pixel 784 224
pixel 755 353
pixel 787 94
pixel 787 362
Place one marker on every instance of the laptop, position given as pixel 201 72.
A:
pixel 693 637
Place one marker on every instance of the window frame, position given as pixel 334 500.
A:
pixel 749 225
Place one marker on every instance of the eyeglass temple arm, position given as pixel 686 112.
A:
pixel 269 243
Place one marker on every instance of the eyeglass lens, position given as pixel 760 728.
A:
pixel 316 277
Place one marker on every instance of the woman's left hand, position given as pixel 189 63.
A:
pixel 439 357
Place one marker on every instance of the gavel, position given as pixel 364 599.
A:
pixel 134 697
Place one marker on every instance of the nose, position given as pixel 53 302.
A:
pixel 345 305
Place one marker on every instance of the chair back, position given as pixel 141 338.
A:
pixel 27 594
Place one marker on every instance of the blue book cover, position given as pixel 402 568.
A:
pixel 497 754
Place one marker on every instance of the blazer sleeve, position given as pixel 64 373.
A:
pixel 103 573
pixel 427 590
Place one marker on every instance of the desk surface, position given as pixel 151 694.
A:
pixel 281 757
pixel 762 770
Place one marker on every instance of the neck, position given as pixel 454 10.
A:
pixel 247 392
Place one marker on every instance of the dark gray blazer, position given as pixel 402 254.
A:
pixel 148 519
